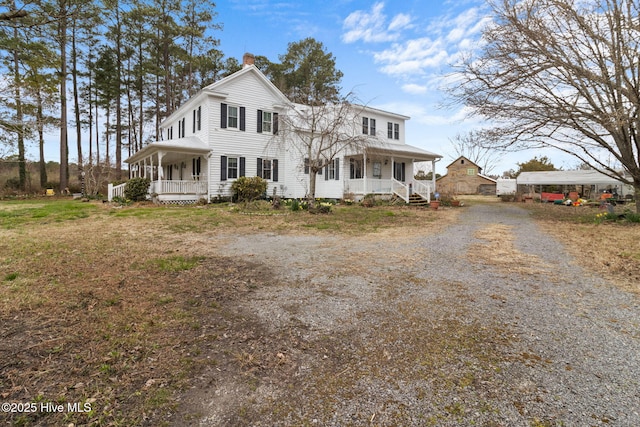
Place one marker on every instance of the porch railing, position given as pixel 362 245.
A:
pixel 115 191
pixel 373 186
pixel 178 187
pixel 424 189
pixel 389 186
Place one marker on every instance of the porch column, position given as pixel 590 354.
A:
pixel 393 168
pixel 364 173
pixel 433 175
pixel 144 171
pixel 160 171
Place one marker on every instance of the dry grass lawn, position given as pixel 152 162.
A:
pixel 118 307
pixel 121 308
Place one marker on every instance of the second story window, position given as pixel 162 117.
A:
pixel 389 130
pixel 372 127
pixel 232 117
pixel 396 131
pixel 365 125
pixel 266 121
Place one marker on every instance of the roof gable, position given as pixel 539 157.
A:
pixel 218 87
pixel 466 160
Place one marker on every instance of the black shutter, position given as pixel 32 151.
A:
pixel 242 118
pixel 223 115
pixel 242 164
pixel 194 121
pixel 326 173
pixel 223 168
pixel 306 166
pixel 274 170
pixel 275 123
pixel 259 121
pixel 403 175
pixel 259 172
pixel 337 165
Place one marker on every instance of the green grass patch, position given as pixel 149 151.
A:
pixel 11 277
pixel 176 263
pixel 19 213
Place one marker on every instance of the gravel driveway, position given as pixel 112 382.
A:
pixel 487 322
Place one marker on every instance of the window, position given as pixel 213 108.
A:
pixel 266 122
pixel 232 117
pixel 365 125
pixel 377 170
pixel 399 171
pixel 266 169
pixel 355 168
pixel 389 130
pixel 333 170
pixel 471 171
pixel 197 119
pixel 396 131
pixel 372 127
pixel 231 167
pixel 195 167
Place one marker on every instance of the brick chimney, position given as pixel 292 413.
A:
pixel 248 59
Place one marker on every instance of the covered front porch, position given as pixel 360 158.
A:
pixel 177 170
pixel 389 170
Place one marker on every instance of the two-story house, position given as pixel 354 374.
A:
pixel 234 128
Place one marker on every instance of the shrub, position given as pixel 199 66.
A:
pixel 321 208
pixel 246 189
pixel 137 189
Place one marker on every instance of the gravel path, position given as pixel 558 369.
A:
pixel 487 322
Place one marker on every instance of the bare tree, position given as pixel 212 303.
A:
pixel 477 147
pixel 322 133
pixel 561 74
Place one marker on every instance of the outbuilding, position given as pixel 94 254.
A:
pixel 589 183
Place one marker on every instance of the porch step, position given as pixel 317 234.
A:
pixel 417 200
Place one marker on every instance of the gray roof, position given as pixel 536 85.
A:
pixel 579 177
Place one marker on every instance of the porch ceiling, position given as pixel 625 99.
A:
pixel 171 150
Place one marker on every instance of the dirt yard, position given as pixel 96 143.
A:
pixel 390 317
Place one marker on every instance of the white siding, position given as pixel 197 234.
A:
pixel 250 93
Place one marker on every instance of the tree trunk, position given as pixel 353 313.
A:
pixel 22 165
pixel 76 101
pixel 64 149
pixel 118 97
pixel 40 124
pixel 313 173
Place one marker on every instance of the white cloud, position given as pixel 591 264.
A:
pixel 415 89
pixel 412 57
pixel 449 37
pixel 370 26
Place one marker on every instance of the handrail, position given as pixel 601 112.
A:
pixel 423 189
pixel 400 189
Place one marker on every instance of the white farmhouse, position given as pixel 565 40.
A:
pixel 231 129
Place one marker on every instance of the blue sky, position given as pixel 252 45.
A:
pixel 393 55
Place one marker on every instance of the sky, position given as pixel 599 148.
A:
pixel 393 55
